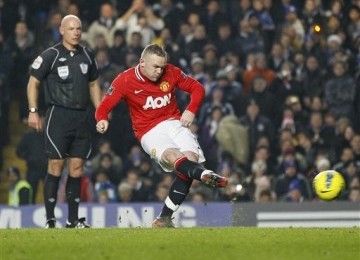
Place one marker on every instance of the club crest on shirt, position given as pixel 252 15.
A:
pixel 84 68
pixel 164 86
pixel 63 72
pixel 110 91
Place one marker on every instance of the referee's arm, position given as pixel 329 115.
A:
pixel 95 92
pixel 33 95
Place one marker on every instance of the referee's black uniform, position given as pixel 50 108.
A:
pixel 66 76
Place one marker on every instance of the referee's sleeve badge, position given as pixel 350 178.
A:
pixel 37 63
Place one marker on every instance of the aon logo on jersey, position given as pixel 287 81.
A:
pixel 158 102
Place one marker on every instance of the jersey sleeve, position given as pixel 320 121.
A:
pixel 113 96
pixel 193 87
pixel 43 63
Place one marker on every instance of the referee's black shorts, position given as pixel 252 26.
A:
pixel 67 133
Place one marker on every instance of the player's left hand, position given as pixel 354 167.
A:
pixel 187 118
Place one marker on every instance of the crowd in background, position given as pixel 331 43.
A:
pixel 281 79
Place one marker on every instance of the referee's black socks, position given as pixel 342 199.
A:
pixel 73 187
pixel 51 186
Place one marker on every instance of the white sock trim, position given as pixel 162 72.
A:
pixel 171 204
pixel 205 172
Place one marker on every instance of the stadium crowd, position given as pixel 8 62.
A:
pixel 281 79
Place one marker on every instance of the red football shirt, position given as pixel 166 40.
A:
pixel 150 103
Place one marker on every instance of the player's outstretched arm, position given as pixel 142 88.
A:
pixel 102 126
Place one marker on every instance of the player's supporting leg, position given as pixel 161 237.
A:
pixel 177 194
pixel 196 171
pixel 51 186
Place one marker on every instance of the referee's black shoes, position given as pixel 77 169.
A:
pixel 50 223
pixel 80 223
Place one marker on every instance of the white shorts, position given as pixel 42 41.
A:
pixel 170 134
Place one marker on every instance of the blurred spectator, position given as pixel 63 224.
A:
pixel 6 63
pixel 311 15
pixel 265 99
pixel 106 165
pixel 346 156
pixel 247 39
pixel 161 192
pixel 276 57
pixel 196 46
pixel 125 192
pixel 257 124
pixel 233 137
pixel 104 190
pixel 140 18
pixel 322 136
pixel 224 42
pixel 285 85
pixel 340 92
pixel 20 191
pixel 105 25
pixel 118 50
pixel 133 48
pixel 171 12
pixel 292 179
pixel 22 44
pixel 355 146
pixel 260 69
pixel 353 27
pixel 211 61
pixel 301 115
pixel 240 10
pixel 107 70
pixel 134 158
pixel 294 23
pixel 314 79
pixel 51 34
pixel 217 100
pixel 31 148
pixel 213 18
pixel 140 192
pixel 294 194
pixel 104 147
pixel 207 136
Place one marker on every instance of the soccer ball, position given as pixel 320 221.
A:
pixel 328 184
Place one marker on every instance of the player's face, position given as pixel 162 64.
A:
pixel 71 32
pixel 152 66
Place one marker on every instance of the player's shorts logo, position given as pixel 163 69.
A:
pixel 153 153
pixel 164 86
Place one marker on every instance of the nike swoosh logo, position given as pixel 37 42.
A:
pixel 325 191
pixel 178 192
pixel 138 91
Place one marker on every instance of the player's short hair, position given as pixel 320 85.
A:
pixel 154 49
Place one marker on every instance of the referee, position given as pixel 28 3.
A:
pixel 70 77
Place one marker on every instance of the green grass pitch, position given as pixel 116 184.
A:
pixel 181 243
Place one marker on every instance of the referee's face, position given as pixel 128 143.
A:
pixel 71 32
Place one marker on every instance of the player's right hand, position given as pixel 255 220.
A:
pixel 102 126
pixel 34 121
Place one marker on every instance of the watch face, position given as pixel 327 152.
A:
pixel 33 110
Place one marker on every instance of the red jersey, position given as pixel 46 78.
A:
pixel 150 103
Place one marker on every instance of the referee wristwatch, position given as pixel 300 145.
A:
pixel 33 110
